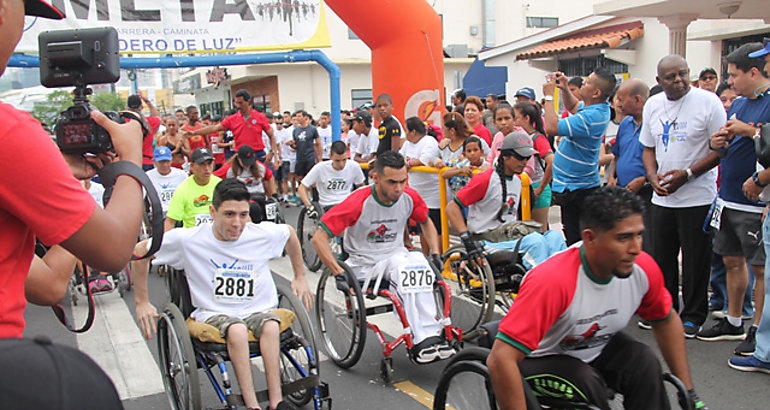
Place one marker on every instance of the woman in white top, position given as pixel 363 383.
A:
pixel 420 149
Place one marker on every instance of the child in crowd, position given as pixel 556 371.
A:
pixel 540 165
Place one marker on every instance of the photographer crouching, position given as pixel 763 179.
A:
pixel 40 196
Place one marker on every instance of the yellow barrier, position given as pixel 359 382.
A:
pixel 526 213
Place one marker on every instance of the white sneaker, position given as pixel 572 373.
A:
pixel 427 355
pixel 445 351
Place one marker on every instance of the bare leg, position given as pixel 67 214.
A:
pixel 737 280
pixel 759 292
pixel 238 349
pixel 269 346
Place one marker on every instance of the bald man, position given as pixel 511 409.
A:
pixel 676 128
pixel 627 168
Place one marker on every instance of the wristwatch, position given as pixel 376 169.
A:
pixel 757 134
pixel 755 178
pixel 548 98
pixel 690 175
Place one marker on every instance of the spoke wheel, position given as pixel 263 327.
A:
pixel 339 307
pixel 177 361
pixel 473 292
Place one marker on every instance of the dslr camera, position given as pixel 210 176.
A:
pixel 80 57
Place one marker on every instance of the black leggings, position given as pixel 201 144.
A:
pixel 627 366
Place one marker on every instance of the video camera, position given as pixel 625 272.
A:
pixel 81 57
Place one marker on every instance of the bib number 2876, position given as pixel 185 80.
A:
pixel 416 279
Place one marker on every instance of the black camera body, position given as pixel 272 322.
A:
pixel 80 57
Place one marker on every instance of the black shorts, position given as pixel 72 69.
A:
pixel 303 167
pixel 283 171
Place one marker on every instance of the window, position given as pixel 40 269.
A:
pixel 352 35
pixel 360 97
pixel 215 109
pixel 584 66
pixel 542 22
pixel 261 102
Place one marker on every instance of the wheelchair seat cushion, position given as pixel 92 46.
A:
pixel 207 333
pixel 502 257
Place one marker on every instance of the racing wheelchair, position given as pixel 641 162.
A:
pixel 465 384
pixel 342 315
pixel 181 355
pixel 306 228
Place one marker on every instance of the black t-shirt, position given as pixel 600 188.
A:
pixel 305 142
pixel 388 129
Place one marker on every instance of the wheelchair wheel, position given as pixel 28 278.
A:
pixel 341 315
pixel 306 228
pixel 177 360
pixel 299 354
pixel 473 292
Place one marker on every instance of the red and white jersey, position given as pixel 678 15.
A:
pixel 374 230
pixel 562 308
pixel 483 196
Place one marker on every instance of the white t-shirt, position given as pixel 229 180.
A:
pixel 165 185
pixel 326 140
pixel 367 145
pixel 353 139
pixel 253 184
pixel 97 192
pixel 281 138
pixel 425 150
pixel 333 186
pixel 226 277
pixel 484 196
pixel 680 132
pixel 266 141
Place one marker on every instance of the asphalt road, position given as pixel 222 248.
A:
pixel 358 388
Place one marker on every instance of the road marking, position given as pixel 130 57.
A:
pixel 115 343
pixel 415 392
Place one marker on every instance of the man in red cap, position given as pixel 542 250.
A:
pixel 63 215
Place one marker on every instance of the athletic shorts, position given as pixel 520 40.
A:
pixel 740 235
pixel 253 322
pixel 544 200
pixel 283 171
pixel 303 167
pixel 292 165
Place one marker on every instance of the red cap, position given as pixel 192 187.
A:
pixel 41 8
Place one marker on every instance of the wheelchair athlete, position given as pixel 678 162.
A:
pixel 334 179
pixel 373 219
pixel 571 309
pixel 226 264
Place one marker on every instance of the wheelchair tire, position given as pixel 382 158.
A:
pixel 306 228
pixel 299 350
pixel 177 360
pixel 341 316
pixel 473 292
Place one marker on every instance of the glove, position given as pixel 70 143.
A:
pixel 437 262
pixel 698 404
pixel 311 212
pixel 472 247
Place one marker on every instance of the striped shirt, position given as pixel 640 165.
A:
pixel 576 163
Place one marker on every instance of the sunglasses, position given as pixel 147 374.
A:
pixel 512 153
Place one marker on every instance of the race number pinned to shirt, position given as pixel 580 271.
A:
pixel 716 215
pixel 271 211
pixel 335 184
pixel 233 286
pixel 415 278
pixel 201 219
pixel 166 194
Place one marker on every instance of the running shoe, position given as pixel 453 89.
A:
pixel 722 330
pixel 445 351
pixel 749 364
pixel 99 285
pixel 690 329
pixel 427 350
pixel 285 405
pixel 747 346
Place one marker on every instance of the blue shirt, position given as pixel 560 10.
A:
pixel 628 152
pixel 576 163
pixel 741 159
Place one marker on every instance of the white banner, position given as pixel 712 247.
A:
pixel 192 26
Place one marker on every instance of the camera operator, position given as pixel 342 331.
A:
pixel 40 198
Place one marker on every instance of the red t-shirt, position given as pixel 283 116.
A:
pixel 247 132
pixel 483 132
pixel 219 153
pixel 196 141
pixel 38 197
pixel 154 123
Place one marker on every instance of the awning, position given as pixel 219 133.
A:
pixel 607 37
pixel 481 80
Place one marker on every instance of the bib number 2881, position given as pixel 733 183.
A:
pixel 233 287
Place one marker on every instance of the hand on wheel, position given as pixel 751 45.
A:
pixel 473 249
pixel 311 212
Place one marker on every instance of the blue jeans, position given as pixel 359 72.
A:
pixel 762 351
pixel 719 286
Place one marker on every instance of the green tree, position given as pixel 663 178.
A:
pixel 108 102
pixel 47 112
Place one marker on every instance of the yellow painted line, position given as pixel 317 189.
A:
pixel 415 392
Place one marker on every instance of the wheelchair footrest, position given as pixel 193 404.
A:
pixel 305 383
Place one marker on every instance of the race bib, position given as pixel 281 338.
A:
pixel 335 184
pixel 166 194
pixel 203 219
pixel 716 216
pixel 233 286
pixel 271 211
pixel 415 278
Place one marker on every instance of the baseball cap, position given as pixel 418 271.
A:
pixel 42 9
pixel 247 156
pixel 526 92
pixel 762 52
pixel 277 115
pixel 201 155
pixel 706 71
pixel 38 374
pixel 519 142
pixel 161 153
pixel 367 106
pixel 134 101
pixel 364 117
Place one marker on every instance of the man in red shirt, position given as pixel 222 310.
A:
pixel 62 212
pixel 196 140
pixel 247 125
pixel 134 104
